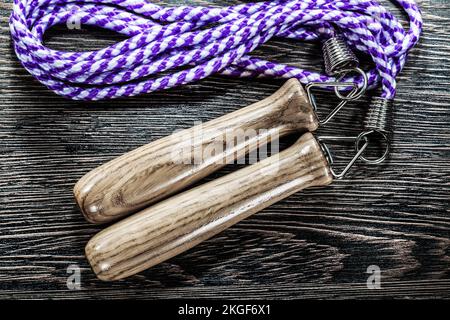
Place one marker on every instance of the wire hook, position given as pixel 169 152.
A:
pixel 339 62
pixel 329 156
pixel 336 85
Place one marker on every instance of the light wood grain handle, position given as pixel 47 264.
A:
pixel 157 170
pixel 179 223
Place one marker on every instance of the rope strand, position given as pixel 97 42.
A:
pixel 190 43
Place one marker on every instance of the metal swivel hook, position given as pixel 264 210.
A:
pixel 376 126
pixel 329 156
pixel 339 62
pixel 336 85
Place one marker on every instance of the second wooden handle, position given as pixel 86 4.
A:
pixel 154 171
pixel 181 222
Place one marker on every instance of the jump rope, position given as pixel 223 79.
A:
pixel 171 46
pixel 203 40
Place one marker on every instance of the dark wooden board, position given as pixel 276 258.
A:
pixel 315 244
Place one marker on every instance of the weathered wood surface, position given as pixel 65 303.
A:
pixel 315 244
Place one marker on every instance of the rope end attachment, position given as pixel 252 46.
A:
pixel 338 57
pixel 339 61
pixel 377 128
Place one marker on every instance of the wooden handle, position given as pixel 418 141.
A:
pixel 179 223
pixel 156 170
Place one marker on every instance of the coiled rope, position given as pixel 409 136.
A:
pixel 171 46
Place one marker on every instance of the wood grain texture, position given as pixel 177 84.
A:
pixel 181 222
pixel 163 167
pixel 315 244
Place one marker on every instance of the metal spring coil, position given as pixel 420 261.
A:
pixel 338 57
pixel 378 117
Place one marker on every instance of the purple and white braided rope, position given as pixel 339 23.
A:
pixel 190 43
